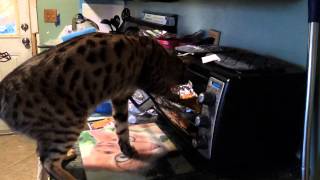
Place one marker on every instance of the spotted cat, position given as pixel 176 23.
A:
pixel 50 96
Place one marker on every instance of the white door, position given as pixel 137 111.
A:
pixel 13 14
pixel 15 34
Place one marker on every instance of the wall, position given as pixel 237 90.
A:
pixel 66 8
pixel 97 10
pixel 92 9
pixel 277 28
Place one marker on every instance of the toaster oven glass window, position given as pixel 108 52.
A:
pixel 182 107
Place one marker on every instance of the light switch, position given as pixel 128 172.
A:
pixel 50 15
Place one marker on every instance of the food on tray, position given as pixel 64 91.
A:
pixel 186 96
pixel 184 91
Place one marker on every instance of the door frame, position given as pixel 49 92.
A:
pixel 33 13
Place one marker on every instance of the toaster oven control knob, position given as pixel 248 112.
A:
pixel 200 143
pixel 202 121
pixel 207 98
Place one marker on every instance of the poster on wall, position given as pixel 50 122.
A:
pixel 8 17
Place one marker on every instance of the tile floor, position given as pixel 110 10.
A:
pixel 18 159
pixel 3 126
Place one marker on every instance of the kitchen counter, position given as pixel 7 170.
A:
pixel 181 164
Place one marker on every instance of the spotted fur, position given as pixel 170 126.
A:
pixel 50 96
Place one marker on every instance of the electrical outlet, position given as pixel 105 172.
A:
pixel 215 35
pixel 50 15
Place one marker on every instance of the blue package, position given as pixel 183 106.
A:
pixel 104 108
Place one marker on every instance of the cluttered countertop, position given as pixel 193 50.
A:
pixel 99 156
pixel 171 165
pixel 160 152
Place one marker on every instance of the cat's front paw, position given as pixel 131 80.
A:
pixel 127 149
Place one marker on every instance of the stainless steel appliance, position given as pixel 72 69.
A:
pixel 247 113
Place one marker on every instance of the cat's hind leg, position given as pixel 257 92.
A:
pixel 120 114
pixel 51 156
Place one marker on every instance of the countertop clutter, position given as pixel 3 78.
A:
pixel 161 153
pixel 180 163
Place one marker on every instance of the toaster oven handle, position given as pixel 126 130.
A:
pixel 308 166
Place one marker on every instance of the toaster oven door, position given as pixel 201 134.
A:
pixel 184 107
pixel 196 115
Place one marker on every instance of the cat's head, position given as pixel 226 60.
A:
pixel 176 71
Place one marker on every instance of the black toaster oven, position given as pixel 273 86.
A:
pixel 241 113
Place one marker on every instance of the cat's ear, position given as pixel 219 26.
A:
pixel 186 60
pixel 149 46
pixel 147 42
pixel 144 41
